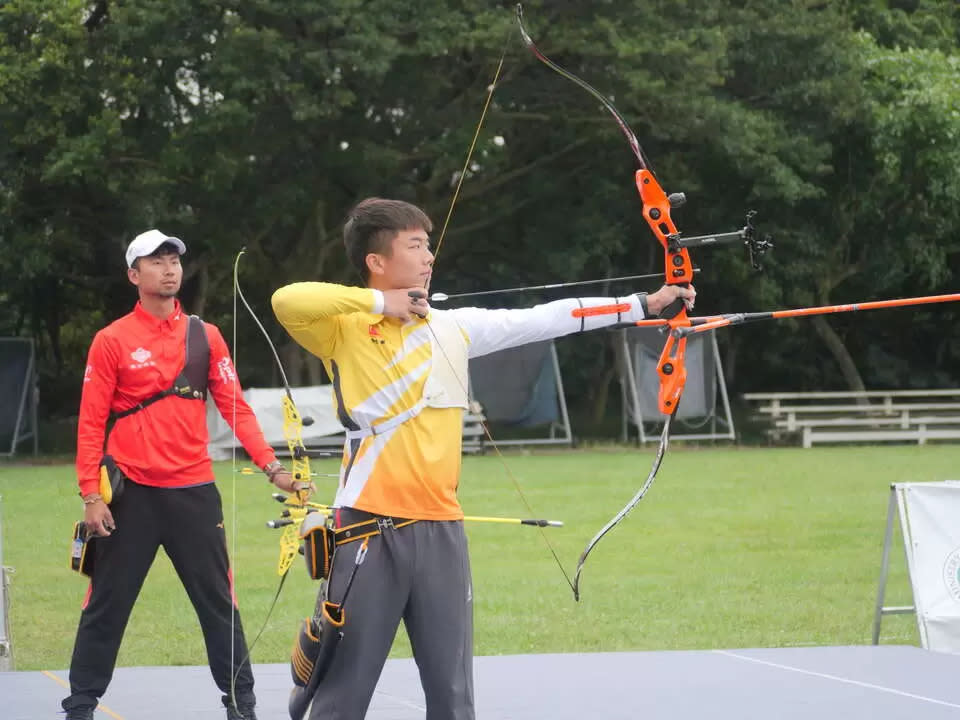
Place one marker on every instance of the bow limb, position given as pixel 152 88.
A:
pixel 615 520
pixel 678 270
pixel 624 127
pixel 293 423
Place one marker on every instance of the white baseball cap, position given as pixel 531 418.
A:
pixel 146 242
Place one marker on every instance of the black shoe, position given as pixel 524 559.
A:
pixel 79 713
pixel 243 711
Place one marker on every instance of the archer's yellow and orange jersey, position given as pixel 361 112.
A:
pixel 380 368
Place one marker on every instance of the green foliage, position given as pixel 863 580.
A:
pixel 258 125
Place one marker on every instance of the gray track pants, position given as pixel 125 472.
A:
pixel 420 574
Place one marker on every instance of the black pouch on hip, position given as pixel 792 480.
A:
pixel 81 551
pixel 111 479
pixel 318 545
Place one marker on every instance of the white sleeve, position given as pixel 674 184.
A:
pixel 491 330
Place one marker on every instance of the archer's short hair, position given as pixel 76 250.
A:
pixel 372 225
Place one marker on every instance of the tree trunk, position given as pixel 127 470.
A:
pixel 203 288
pixel 290 353
pixel 315 370
pixel 730 358
pixel 601 393
pixel 840 353
pixel 830 281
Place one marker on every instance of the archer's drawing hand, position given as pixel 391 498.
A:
pixel 405 303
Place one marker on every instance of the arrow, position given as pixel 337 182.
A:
pixel 289 517
pixel 443 297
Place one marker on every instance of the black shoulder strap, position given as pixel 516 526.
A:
pixel 191 382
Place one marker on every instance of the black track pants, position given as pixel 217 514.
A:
pixel 188 524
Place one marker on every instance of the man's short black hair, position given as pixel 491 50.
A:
pixel 372 225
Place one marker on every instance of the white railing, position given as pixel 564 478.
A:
pixel 869 416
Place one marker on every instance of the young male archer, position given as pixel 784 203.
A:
pixel 399 370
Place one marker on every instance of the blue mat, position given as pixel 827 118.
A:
pixel 849 683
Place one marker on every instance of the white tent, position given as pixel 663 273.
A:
pixel 267 403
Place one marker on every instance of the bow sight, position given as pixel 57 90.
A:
pixel 756 246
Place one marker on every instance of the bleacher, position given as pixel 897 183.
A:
pixel 474 433
pixel 871 416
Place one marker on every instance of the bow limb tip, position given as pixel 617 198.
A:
pixel 576 584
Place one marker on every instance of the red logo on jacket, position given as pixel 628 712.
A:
pixel 374 333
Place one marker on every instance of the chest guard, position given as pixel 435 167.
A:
pixel 448 381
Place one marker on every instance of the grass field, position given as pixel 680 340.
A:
pixel 731 548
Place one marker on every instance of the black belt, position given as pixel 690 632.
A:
pixel 370 526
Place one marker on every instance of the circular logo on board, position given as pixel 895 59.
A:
pixel 951 574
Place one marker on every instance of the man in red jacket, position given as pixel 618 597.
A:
pixel 149 380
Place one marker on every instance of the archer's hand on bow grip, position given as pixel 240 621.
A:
pixel 668 301
pixel 283 479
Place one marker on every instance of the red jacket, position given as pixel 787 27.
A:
pixel 165 444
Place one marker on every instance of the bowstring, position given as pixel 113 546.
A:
pixel 238 292
pixel 436 252
pixel 234 670
pixel 504 465
pixel 473 145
